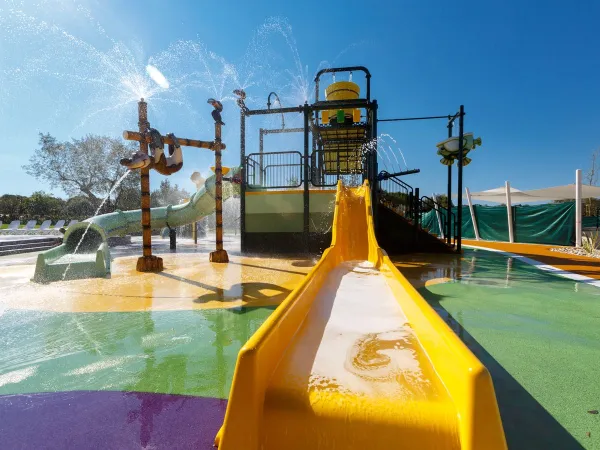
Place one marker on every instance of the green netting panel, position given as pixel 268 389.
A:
pixel 467 230
pixel 590 222
pixel 492 222
pixel 545 224
pixel 541 224
pixel 430 221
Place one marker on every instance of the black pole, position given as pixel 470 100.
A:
pixel 261 142
pixel 243 184
pixel 374 182
pixel 305 167
pixel 449 200
pixel 172 239
pixel 460 177
pixel 417 216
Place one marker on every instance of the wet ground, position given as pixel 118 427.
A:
pixel 146 360
pixel 537 333
pixel 134 361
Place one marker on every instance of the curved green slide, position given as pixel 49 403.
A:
pixel 92 259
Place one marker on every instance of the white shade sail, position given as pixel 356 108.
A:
pixel 566 192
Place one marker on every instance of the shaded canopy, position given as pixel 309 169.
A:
pixel 566 192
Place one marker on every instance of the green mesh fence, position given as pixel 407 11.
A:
pixel 492 222
pixel 431 223
pixel 545 224
pixel 591 222
pixel 542 224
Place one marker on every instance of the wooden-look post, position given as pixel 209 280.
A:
pixel 147 262
pixel 219 255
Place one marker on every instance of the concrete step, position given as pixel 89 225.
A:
pixel 13 247
pixel 26 250
pixel 28 242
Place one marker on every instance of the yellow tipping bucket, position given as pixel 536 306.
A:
pixel 341 90
pixel 224 170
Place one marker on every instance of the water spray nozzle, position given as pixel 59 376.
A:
pixel 216 114
pixel 241 97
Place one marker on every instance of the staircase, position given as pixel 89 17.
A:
pixel 13 247
pixel 397 235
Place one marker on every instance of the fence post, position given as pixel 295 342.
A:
pixel 473 220
pixel 439 219
pixel 578 227
pixel 511 234
pixel 305 175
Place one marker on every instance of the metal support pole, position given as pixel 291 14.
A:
pixel 306 196
pixel 375 171
pixel 472 210
pixel 449 199
pixel 578 229
pixel 147 262
pixel 243 184
pixel 439 218
pixel 461 130
pixel 417 207
pixel 261 142
pixel 511 233
pixel 219 255
pixel 172 239
pixel 195 232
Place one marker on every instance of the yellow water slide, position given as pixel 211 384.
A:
pixel 355 358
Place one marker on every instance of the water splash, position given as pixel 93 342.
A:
pixel 115 186
pixel 385 136
pixel 157 76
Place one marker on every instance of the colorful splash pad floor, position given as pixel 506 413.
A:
pixel 538 334
pixel 146 360
pixel 135 361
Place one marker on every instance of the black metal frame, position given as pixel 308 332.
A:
pixel 262 169
pixel 265 131
pixel 343 69
pixel 311 125
pixel 451 118
pixel 408 190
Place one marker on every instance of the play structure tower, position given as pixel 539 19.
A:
pixel 287 195
pixel 146 135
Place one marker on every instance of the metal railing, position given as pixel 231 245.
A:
pixel 397 196
pixel 428 204
pixel 274 170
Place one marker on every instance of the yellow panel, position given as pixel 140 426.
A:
pixel 457 409
pixel 348 161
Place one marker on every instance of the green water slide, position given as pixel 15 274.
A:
pixel 92 259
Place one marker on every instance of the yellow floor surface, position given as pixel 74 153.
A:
pixel 189 281
pixel 581 265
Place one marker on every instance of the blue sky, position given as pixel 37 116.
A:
pixel 527 73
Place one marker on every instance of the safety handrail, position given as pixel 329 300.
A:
pixel 284 169
pixel 436 205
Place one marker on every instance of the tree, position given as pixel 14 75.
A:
pixel 44 206
pixel 88 166
pixel 78 208
pixel 442 200
pixel 128 198
pixel 12 207
pixel 167 194
pixel 591 178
